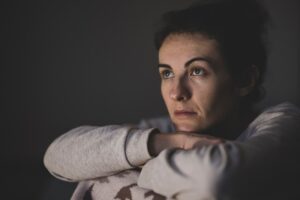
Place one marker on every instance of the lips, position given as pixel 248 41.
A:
pixel 184 113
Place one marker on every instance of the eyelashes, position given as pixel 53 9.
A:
pixel 194 71
pixel 198 71
pixel 166 74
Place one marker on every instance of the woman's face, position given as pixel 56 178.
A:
pixel 197 88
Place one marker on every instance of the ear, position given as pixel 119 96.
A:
pixel 250 78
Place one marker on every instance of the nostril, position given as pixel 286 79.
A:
pixel 180 92
pixel 178 96
pixel 181 98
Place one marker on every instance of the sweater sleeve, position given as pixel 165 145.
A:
pixel 88 152
pixel 256 168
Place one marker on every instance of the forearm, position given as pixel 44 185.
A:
pixel 90 152
pixel 211 170
pixel 262 164
pixel 188 174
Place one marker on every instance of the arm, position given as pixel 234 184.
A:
pixel 89 152
pixel 265 163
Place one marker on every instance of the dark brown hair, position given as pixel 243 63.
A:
pixel 238 27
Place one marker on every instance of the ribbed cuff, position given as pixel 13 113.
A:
pixel 136 148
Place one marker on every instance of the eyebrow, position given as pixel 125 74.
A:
pixel 205 59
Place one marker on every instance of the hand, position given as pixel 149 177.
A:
pixel 160 141
pixel 192 140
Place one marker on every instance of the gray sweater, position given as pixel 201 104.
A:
pixel 257 165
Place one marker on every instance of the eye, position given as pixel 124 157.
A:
pixel 165 74
pixel 198 71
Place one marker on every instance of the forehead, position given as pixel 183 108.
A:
pixel 184 46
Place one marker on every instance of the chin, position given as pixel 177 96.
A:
pixel 187 128
pixel 190 124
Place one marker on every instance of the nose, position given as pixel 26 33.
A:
pixel 180 90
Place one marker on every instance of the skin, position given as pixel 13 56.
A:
pixel 195 79
pixel 199 92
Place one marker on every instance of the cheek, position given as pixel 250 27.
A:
pixel 222 97
pixel 203 92
pixel 212 95
pixel 165 94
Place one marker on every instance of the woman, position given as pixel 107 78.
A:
pixel 212 62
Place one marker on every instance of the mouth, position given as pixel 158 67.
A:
pixel 184 113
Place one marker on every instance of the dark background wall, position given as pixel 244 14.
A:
pixel 68 63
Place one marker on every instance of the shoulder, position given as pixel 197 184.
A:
pixel 280 109
pixel 277 113
pixel 283 118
